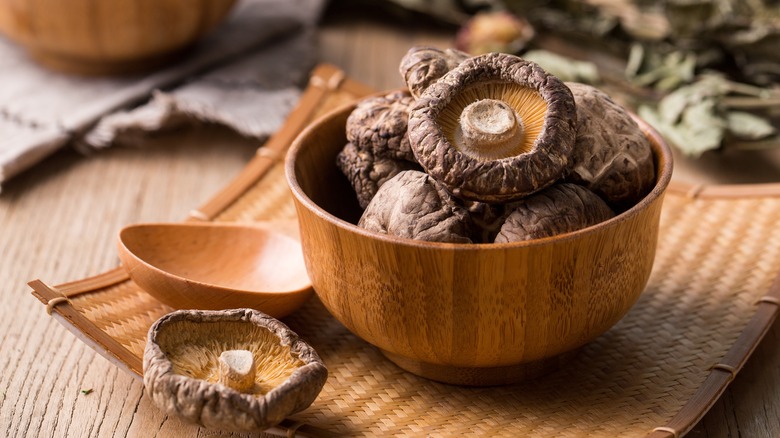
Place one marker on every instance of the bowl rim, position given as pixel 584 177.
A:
pixel 663 162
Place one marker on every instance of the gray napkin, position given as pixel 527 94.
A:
pixel 246 75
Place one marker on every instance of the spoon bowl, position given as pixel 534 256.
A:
pixel 213 266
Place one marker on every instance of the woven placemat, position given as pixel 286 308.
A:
pixel 709 301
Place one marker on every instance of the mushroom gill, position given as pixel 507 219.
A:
pixel 520 100
pixel 493 120
pixel 196 348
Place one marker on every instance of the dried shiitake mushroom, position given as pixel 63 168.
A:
pixel 422 66
pixel 412 205
pixel 612 156
pixel 238 370
pixel 378 124
pixel 494 31
pixel 367 173
pixel 496 128
pixel 559 209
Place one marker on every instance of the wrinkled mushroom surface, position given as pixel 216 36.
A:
pixel 559 209
pixel 378 124
pixel 612 156
pixel 494 129
pixel 367 173
pixel 182 369
pixel 422 66
pixel 412 205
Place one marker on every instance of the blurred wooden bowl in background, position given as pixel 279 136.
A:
pixel 108 36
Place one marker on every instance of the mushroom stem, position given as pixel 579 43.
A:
pixel 489 129
pixel 237 370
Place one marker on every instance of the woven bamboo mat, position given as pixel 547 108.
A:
pixel 709 301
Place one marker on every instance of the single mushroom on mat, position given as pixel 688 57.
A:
pixel 494 129
pixel 559 209
pixel 367 173
pixel 238 370
pixel 412 205
pixel 422 66
pixel 378 124
pixel 612 156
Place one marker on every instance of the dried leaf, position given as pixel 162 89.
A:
pixel 665 72
pixel 566 69
pixel 675 103
pixel 698 129
pixel 703 127
pixel 721 33
pixel 747 126
pixel 635 57
pixel 671 107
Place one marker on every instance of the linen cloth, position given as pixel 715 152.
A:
pixel 247 75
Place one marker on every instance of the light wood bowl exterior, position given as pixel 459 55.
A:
pixel 474 314
pixel 108 36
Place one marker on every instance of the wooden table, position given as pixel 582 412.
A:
pixel 59 220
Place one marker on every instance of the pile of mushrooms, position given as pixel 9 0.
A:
pixel 491 148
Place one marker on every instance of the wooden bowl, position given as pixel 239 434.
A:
pixel 473 314
pixel 108 37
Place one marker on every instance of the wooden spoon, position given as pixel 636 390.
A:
pixel 218 266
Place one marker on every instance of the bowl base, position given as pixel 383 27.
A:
pixel 85 67
pixel 481 376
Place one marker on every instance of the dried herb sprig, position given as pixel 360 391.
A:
pixel 704 72
pixel 701 116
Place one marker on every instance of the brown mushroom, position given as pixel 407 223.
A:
pixel 413 206
pixel 494 31
pixel 559 209
pixel 238 370
pixel 494 129
pixel 378 124
pixel 367 173
pixel 612 156
pixel 422 66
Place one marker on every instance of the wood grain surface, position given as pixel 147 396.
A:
pixel 59 221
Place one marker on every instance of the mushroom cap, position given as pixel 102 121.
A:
pixel 559 209
pixel 612 156
pixel 544 105
pixel 494 31
pixel 413 206
pixel 378 124
pixel 421 66
pixel 367 173
pixel 181 363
